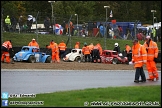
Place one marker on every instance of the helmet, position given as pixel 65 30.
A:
pixel 116 44
pixel 85 43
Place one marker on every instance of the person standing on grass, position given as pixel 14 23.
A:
pixel 139 58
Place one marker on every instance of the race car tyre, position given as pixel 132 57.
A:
pixel 48 59
pixel 32 59
pixel 78 59
pixel 114 61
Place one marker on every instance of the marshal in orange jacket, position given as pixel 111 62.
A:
pixel 139 55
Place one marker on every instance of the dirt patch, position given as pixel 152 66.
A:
pixel 71 66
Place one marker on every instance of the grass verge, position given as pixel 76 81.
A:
pixel 19 40
pixel 140 95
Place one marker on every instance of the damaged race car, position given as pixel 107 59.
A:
pixel 74 55
pixel 31 54
pixel 112 57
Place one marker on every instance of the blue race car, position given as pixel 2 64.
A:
pixel 32 54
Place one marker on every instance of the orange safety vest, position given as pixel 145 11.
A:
pixel 152 50
pixel 86 50
pixel 33 44
pixel 7 44
pixel 96 47
pixel 52 46
pixel 99 48
pixel 62 46
pixel 91 47
pixel 76 46
pixel 56 47
pixel 139 55
pixel 127 48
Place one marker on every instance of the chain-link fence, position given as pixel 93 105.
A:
pixel 63 20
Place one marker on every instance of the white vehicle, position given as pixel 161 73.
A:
pixel 74 55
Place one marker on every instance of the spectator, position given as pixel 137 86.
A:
pixel 7 23
pixel 13 23
pixel 149 31
pixel 128 31
pixel 100 24
pixel 94 25
pixel 159 34
pixel 84 27
pixel 102 30
pixel 120 31
pixel 47 24
pixel 29 23
pixel 71 28
pixel 108 29
pixel 154 34
pixel 20 21
pixel 64 27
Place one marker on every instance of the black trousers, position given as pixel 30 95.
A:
pixel 140 73
pixel 62 54
pixel 87 57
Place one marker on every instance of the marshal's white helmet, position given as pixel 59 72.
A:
pixel 116 44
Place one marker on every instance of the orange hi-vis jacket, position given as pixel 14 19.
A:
pixel 99 48
pixel 139 55
pixel 33 44
pixel 86 50
pixel 91 47
pixel 7 44
pixel 62 46
pixel 96 47
pixel 52 46
pixel 127 48
pixel 57 48
pixel 77 45
pixel 152 50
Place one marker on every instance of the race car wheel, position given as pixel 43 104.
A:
pixel 48 60
pixel 78 59
pixel 114 61
pixel 32 59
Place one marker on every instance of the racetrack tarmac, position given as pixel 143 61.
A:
pixel 36 81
